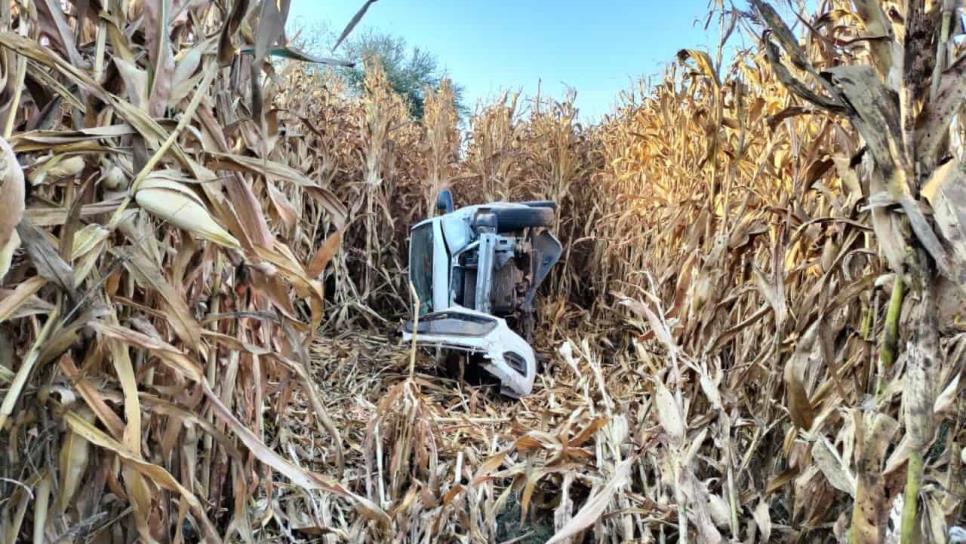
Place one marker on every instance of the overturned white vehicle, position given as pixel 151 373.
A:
pixel 476 271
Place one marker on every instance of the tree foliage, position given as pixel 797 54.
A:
pixel 409 69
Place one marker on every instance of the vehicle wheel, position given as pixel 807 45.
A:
pixel 510 219
pixel 541 204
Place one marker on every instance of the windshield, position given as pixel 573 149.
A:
pixel 421 266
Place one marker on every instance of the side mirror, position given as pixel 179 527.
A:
pixel 444 202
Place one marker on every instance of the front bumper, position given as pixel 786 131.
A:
pixel 508 356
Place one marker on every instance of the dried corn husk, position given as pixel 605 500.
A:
pixel 11 205
pixel 179 205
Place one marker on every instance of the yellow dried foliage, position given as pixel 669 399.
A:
pixel 745 340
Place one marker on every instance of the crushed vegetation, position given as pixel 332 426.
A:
pixel 755 334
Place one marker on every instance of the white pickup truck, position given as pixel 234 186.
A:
pixel 476 271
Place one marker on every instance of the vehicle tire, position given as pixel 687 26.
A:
pixel 541 204
pixel 510 219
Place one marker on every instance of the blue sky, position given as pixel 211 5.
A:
pixel 598 47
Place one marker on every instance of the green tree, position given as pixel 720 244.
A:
pixel 410 69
